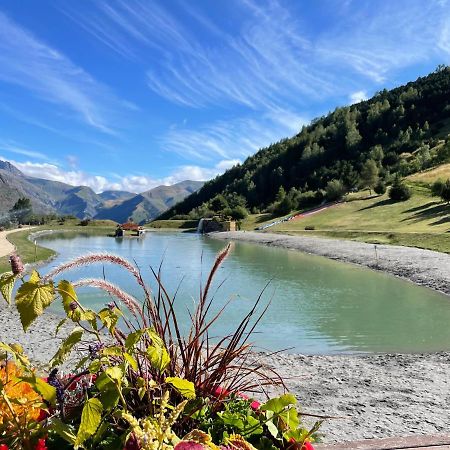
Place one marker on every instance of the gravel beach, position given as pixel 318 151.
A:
pixel 375 396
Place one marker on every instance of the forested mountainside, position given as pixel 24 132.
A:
pixel 396 132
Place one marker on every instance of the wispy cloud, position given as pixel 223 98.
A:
pixel 232 139
pixel 32 64
pixel 14 147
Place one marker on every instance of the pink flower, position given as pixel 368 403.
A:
pixel 189 445
pixel 307 446
pixel 255 405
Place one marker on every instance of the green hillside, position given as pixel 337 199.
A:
pixel 397 132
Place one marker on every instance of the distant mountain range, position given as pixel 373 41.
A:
pixel 81 201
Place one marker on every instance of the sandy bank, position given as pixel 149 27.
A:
pixel 6 248
pixel 423 267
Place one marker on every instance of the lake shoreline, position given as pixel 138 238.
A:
pixel 422 267
pixel 375 395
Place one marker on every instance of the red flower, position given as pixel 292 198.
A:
pixel 307 446
pixel 3 447
pixel 41 445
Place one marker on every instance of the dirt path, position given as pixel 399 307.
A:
pixel 6 248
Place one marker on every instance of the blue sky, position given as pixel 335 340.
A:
pixel 130 94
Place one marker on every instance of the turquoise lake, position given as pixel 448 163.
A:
pixel 318 306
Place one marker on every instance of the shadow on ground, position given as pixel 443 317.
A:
pixel 438 211
pixel 385 202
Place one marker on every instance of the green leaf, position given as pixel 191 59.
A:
pixel 31 300
pixel 34 277
pixel 131 361
pixel 16 351
pixel 90 420
pixel 159 358
pixel 109 318
pixel 7 281
pixel 60 324
pixel 109 394
pixel 115 373
pixel 278 404
pixel 63 430
pixel 184 387
pixel 133 338
pixel 67 346
pixel 68 295
pixel 47 392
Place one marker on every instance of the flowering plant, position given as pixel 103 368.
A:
pixel 140 384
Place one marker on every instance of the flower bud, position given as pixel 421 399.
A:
pixel 73 306
pixel 16 264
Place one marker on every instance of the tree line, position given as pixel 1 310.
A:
pixel 368 145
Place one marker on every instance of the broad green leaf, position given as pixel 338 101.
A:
pixel 90 420
pixel 68 295
pixel 131 361
pixel 278 404
pixel 115 373
pixel 17 352
pixel 109 394
pixel 67 346
pixel 109 318
pixel 34 277
pixel 133 338
pixel 112 351
pixel 184 387
pixel 7 281
pixel 31 300
pixel 159 358
pixel 47 392
pixel 63 430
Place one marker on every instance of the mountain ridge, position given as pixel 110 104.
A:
pixel 55 197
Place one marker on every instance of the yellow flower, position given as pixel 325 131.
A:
pixel 18 401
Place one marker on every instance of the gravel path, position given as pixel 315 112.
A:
pixel 424 267
pixel 6 248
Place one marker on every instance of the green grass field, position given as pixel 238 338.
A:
pixel 30 253
pixel 422 221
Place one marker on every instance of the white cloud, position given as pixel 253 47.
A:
pixel 30 63
pixel 131 183
pixel 357 97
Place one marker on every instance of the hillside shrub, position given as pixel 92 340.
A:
pixel 334 190
pixel 380 187
pixel 445 193
pixel 399 192
pixel 437 187
pixel 138 382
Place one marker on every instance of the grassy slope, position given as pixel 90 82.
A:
pixel 29 253
pixel 422 221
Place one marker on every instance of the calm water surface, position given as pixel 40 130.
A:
pixel 317 305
